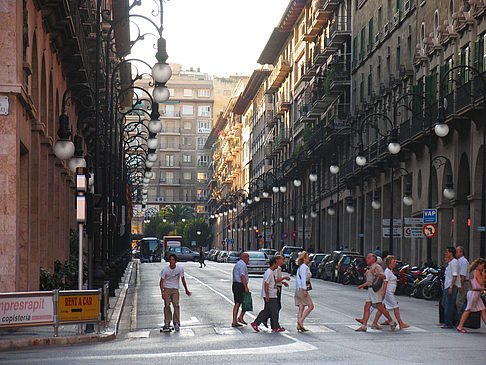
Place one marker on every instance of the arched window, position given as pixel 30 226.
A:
pixel 43 95
pixel 422 34
pixel 34 91
pixel 451 11
pixel 436 23
pixel 51 116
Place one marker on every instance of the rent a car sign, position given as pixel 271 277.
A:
pixel 21 310
pixel 78 307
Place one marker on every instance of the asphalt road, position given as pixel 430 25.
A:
pixel 206 335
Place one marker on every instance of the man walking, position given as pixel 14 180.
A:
pixel 375 298
pixel 240 287
pixel 269 294
pixel 279 280
pixel 451 286
pixel 169 287
pixel 464 278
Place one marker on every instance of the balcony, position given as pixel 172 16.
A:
pixel 308 71
pixel 331 5
pixel 269 118
pixel 168 147
pixel 279 74
pixel 282 138
pixel 283 104
pixel 169 181
pixel 340 32
pixel 322 54
pixel 174 131
pixel 319 18
pixel 176 115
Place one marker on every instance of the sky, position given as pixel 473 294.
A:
pixel 221 37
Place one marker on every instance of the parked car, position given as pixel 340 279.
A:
pixel 214 256
pixel 233 256
pixel 320 273
pixel 287 252
pixel 221 256
pixel 258 263
pixel 183 254
pixel 314 261
pixel 344 263
pixel 269 251
pixel 329 269
pixel 210 254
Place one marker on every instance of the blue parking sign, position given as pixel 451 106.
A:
pixel 430 216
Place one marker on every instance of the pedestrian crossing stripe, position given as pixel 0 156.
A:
pixel 227 331
pixel 387 329
pixel 139 334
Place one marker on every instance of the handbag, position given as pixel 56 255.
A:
pixel 377 283
pixel 247 305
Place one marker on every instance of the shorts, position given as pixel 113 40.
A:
pixel 238 292
pixel 301 299
pixel 374 297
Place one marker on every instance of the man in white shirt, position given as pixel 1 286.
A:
pixel 464 278
pixel 451 286
pixel 169 286
pixel 269 294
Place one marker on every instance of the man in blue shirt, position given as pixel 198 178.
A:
pixel 240 287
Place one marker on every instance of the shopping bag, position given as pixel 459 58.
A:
pixel 247 305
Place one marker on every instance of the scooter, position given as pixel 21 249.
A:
pixel 431 286
pixel 353 274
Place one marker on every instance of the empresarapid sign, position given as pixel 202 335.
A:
pixel 26 310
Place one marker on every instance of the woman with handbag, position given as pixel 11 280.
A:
pixel 389 300
pixel 474 300
pixel 374 283
pixel 302 288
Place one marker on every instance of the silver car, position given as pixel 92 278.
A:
pixel 258 263
pixel 233 257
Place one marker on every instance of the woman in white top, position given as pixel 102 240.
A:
pixel 389 286
pixel 302 298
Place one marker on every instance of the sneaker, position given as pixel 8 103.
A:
pixel 166 328
pixel 254 326
pixel 176 327
pixel 279 329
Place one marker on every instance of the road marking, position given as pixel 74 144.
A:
pixel 227 331
pixel 188 322
pixel 387 329
pixel 301 346
pixel 138 334
pixel 133 314
pixel 186 332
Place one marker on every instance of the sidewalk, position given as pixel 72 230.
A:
pixel 21 337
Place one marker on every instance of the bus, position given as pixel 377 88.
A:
pixel 151 249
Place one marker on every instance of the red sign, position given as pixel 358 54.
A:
pixel 285 235
pixel 429 230
pixel 294 234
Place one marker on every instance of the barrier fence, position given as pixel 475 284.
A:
pixel 53 308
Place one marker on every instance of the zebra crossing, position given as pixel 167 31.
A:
pixel 193 327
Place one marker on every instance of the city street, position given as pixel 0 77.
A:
pixel 206 335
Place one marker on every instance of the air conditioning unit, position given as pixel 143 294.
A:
pixel 162 179
pixel 160 199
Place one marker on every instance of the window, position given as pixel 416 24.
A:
pixel 370 33
pixel 370 83
pixel 187 125
pixel 436 23
pixel 201 176
pixel 187 92
pixel 362 47
pixel 171 92
pixel 169 110
pixel 355 49
pixel 201 141
pixel 169 160
pixel 187 176
pixel 201 209
pixel 202 193
pixel 185 140
pixel 203 160
pixel 187 195
pixel 187 158
pixel 204 127
pixel 188 109
pixel 169 177
pixel 205 93
pixel 204 111
pixel 361 90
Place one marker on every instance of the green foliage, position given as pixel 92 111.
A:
pixel 65 275
pixel 190 232
pixel 328 80
pixel 163 229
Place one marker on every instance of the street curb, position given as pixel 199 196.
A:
pixel 109 335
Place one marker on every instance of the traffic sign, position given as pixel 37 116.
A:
pixel 273 236
pixel 397 232
pixel 397 222
pixel 410 221
pixel 430 230
pixel 294 234
pixel 413 232
pixel 285 235
pixel 430 216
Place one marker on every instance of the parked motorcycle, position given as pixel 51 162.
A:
pixel 430 287
pixel 354 274
pixel 408 276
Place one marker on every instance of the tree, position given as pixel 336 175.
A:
pixel 150 228
pixel 198 225
pixel 163 229
pixel 175 213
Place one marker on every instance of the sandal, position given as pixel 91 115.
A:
pixel 404 326
pixel 236 325
pixel 387 323
pixel 376 327
pixel 462 330
pixel 360 320
pixel 361 329
pixel 393 325
pixel 242 322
